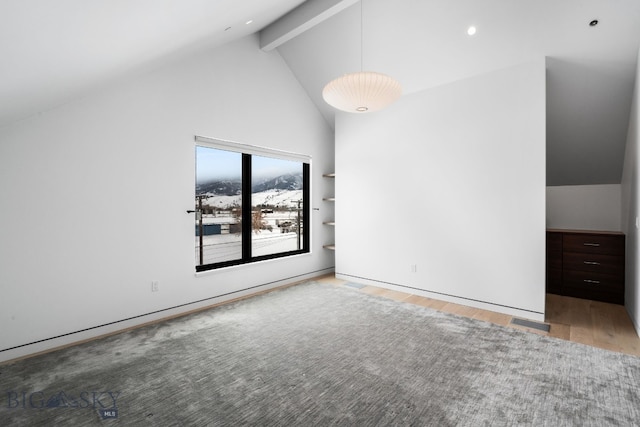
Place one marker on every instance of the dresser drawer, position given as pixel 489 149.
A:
pixel 595 294
pixel 593 286
pixel 596 263
pixel 593 243
pixel 590 280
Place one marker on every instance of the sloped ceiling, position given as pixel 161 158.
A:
pixel 424 44
pixel 52 52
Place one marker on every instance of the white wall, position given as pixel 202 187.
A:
pixel 451 180
pixel 94 195
pixel 630 211
pixel 584 207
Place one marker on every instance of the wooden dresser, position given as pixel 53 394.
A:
pixel 586 264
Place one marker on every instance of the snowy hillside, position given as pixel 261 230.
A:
pixel 277 198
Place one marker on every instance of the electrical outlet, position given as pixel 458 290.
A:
pixel 414 268
pixel 154 286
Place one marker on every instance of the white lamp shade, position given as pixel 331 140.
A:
pixel 362 92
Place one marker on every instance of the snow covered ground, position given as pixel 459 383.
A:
pixel 228 247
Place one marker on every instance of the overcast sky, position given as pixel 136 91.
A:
pixel 213 164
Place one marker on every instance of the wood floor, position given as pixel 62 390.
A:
pixel 587 322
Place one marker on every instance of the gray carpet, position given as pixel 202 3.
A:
pixel 315 354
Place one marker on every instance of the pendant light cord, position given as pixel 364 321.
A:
pixel 361 36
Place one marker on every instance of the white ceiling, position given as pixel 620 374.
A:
pixel 52 51
pixel 424 44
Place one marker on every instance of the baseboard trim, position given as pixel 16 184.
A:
pixel 485 305
pixel 219 300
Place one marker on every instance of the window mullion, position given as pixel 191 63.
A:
pixel 246 207
pixel 306 203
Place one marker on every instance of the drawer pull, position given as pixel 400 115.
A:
pixel 594 282
pixel 591 263
pixel 591 244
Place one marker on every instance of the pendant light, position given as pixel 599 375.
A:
pixel 364 91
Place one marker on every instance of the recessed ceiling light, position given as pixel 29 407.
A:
pixel 249 21
pixel 471 30
pixel 593 23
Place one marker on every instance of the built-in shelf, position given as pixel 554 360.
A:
pixel 331 246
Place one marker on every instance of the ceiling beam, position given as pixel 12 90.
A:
pixel 306 16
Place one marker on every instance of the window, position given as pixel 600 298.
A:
pixel 251 204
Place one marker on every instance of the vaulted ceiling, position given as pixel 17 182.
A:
pixel 55 51
pixel 423 44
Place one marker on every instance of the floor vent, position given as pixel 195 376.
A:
pixel 355 285
pixel 531 324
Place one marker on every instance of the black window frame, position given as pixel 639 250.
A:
pixel 246 235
